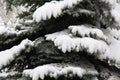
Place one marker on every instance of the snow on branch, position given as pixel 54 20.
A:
pixel 8 30
pixel 52 9
pixel 4 74
pixel 53 36
pixel 114 55
pixel 67 41
pixel 1 22
pixel 5 30
pixel 114 33
pixel 86 30
pixel 97 48
pixel 55 71
pixel 90 45
pixel 9 55
pixel 64 43
pixel 114 40
pixel 116 13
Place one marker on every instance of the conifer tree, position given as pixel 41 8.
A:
pixel 68 39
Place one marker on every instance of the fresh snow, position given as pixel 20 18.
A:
pixel 114 33
pixel 52 9
pixel 56 71
pixel 68 40
pixel 115 51
pixel 53 36
pixel 98 48
pixel 4 74
pixel 9 55
pixel 1 22
pixel 66 43
pixel 116 13
pixel 105 43
pixel 86 30
pixel 9 30
pixel 111 1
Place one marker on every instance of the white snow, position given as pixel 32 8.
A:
pixel 113 36
pixel 116 13
pixel 86 30
pixel 55 71
pixel 1 22
pixel 65 43
pixel 5 30
pixel 68 41
pixel 111 1
pixel 4 74
pixel 52 9
pixel 115 50
pixel 53 36
pixel 8 55
pixel 28 72
pixel 114 33
pixel 8 29
pixel 115 10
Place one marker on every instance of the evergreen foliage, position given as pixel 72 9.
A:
pixel 80 31
pixel 94 12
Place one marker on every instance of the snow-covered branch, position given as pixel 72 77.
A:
pixel 67 41
pixel 9 55
pixel 52 9
pixel 53 36
pixel 56 71
pixel 68 44
pixel 86 30
pixel 115 11
pixel 114 33
pixel 9 30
